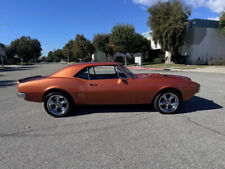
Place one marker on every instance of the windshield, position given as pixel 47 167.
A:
pixel 128 71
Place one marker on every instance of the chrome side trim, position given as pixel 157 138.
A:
pixel 21 95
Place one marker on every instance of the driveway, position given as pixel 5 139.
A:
pixel 112 136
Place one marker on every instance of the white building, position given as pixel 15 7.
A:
pixel 203 42
pixel 154 46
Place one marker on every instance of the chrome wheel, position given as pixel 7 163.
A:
pixel 168 103
pixel 57 104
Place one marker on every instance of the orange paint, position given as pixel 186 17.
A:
pixel 140 89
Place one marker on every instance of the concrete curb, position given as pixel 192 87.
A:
pixel 142 68
pixel 200 70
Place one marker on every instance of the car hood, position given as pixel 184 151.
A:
pixel 157 76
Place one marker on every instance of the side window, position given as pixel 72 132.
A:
pixel 83 74
pixel 99 70
pixel 103 72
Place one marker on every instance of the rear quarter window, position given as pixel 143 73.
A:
pixel 83 74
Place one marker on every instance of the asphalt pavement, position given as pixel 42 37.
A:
pixel 112 136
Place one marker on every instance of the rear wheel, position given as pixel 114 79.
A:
pixel 58 104
pixel 167 102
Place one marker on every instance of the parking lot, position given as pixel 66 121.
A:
pixel 112 136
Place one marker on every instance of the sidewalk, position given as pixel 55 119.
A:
pixel 142 68
pixel 213 69
pixel 209 69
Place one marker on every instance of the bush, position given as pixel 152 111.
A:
pixel 118 59
pixel 155 54
pixel 158 60
pixel 179 59
pixel 12 61
pixel 218 62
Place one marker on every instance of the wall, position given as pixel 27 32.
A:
pixel 203 44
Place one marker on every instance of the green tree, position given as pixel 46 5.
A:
pixel 36 49
pixel 58 55
pixel 26 48
pixel 55 56
pixel 67 51
pixel 43 58
pixel 50 57
pixel 102 43
pixel 82 48
pixel 122 37
pixel 168 22
pixel 139 45
pixel 9 52
pixel 222 23
pixel 90 48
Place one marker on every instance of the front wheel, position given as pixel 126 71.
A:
pixel 167 102
pixel 58 104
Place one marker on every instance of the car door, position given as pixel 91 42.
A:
pixel 80 92
pixel 106 87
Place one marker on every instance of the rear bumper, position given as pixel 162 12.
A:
pixel 21 95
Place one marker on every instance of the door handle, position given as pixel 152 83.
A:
pixel 92 84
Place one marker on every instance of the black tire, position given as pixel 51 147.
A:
pixel 63 96
pixel 158 98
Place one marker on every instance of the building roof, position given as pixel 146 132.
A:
pixel 204 23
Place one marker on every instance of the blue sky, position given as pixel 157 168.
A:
pixel 55 22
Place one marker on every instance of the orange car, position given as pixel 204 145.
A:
pixel 105 84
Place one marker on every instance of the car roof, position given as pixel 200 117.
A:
pixel 71 70
pixel 96 63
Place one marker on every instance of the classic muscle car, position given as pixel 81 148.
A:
pixel 107 83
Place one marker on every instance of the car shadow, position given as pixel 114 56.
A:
pixel 7 83
pixel 21 68
pixel 85 110
pixel 193 105
pixel 198 104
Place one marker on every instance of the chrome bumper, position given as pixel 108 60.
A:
pixel 21 95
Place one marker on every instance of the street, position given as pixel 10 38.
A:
pixel 112 136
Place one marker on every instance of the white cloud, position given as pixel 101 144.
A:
pixel 215 19
pixel 216 6
pixel 146 2
pixel 195 3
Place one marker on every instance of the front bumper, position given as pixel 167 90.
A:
pixel 21 95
